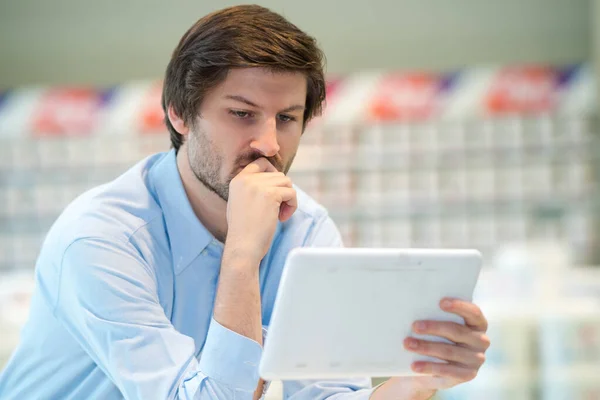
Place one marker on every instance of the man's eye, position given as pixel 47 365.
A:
pixel 240 114
pixel 286 118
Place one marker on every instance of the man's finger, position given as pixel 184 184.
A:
pixel 259 165
pixel 446 352
pixel 454 332
pixel 289 203
pixel 471 313
pixel 287 195
pixel 276 179
pixel 452 371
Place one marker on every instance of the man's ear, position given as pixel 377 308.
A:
pixel 177 122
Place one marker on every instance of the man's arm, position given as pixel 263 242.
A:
pixel 108 301
pixel 259 196
pixel 237 304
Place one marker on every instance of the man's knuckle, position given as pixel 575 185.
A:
pixel 485 341
pixel 447 352
pixel 480 357
pixel 470 375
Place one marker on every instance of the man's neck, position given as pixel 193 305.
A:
pixel 210 209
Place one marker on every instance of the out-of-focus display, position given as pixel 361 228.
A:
pixel 491 158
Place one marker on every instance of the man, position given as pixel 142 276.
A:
pixel 158 285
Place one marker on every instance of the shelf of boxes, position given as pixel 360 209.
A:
pixel 431 184
pixel 477 181
pixel 453 184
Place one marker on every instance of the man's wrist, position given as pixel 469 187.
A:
pixel 240 256
pixel 238 252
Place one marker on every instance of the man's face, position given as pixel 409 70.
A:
pixel 253 113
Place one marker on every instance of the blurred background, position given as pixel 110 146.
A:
pixel 471 123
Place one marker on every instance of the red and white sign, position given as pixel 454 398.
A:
pixel 522 90
pixel 151 118
pixel 405 97
pixel 67 111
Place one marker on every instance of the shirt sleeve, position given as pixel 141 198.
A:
pixel 108 300
pixel 326 234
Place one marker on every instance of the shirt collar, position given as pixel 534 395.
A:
pixel 187 236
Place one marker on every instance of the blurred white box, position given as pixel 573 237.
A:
pixel 337 188
pixel 308 158
pixel 395 183
pixel 7 152
pixel 579 225
pixel 370 137
pixel 313 135
pixel 578 178
pixel 128 150
pixel 451 136
pixel 480 183
pixel 570 334
pixel 454 232
pixel 48 199
pixel 574 131
pixel 507 132
pixel 396 137
pixel 369 187
pixel 482 229
pixel 571 383
pixel 513 335
pixel 511 228
pixel 370 234
pixel 19 200
pixel 64 197
pixel 53 152
pixel 424 184
pixel 338 157
pixel 425 233
pixel 423 138
pixel 479 135
pixel 572 179
pixel 509 183
pixel 545 129
pixel 537 180
pixel 23 155
pixel 78 152
pixel 452 184
pixel 339 135
pixel 396 233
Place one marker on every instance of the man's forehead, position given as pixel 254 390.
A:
pixel 264 80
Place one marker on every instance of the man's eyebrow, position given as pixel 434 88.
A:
pixel 294 108
pixel 244 100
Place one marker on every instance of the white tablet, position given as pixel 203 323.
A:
pixel 345 312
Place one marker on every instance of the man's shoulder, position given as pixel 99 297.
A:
pixel 116 210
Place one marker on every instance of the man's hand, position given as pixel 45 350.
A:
pixel 462 359
pixel 259 196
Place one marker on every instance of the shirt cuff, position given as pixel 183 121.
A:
pixel 231 358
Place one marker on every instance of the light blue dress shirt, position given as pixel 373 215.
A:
pixel 125 286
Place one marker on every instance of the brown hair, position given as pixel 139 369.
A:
pixel 238 37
